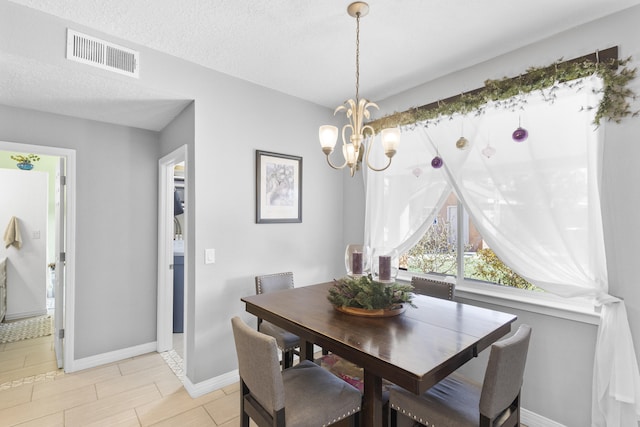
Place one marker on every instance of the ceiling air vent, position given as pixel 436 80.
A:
pixel 102 54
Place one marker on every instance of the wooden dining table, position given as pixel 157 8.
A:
pixel 414 350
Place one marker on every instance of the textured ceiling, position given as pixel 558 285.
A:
pixel 307 48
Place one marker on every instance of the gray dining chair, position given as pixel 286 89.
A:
pixel 287 342
pixel 433 288
pixel 304 395
pixel 458 402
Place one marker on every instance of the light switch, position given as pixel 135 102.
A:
pixel 209 256
pixel 36 234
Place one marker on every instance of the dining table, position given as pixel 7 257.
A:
pixel 414 350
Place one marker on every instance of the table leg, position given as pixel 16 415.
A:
pixel 306 350
pixel 371 415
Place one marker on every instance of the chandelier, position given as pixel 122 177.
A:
pixel 354 149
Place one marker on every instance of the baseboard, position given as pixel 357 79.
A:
pixel 204 387
pixel 531 419
pixel 24 315
pixel 112 356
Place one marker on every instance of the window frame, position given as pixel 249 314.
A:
pixel 579 309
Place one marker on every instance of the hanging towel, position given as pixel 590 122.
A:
pixel 12 234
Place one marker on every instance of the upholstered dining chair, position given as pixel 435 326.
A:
pixel 433 288
pixel 456 401
pixel 304 395
pixel 287 342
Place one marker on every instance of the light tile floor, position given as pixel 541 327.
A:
pixel 142 391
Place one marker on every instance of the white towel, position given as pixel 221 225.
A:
pixel 12 234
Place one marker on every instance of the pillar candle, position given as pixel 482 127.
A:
pixel 356 262
pixel 384 265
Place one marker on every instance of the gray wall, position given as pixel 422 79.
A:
pixel 557 383
pixel 231 119
pixel 116 224
pixel 560 365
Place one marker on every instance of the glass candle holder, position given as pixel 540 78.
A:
pixel 385 265
pixel 356 260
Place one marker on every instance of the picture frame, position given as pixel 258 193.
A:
pixel 278 188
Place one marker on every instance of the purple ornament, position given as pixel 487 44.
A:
pixel 520 134
pixel 436 163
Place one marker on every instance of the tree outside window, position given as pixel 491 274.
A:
pixel 437 251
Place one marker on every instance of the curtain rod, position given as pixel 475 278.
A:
pixel 607 57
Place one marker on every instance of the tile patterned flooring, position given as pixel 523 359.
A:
pixel 141 391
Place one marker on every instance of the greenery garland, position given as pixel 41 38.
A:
pixel 614 105
pixel 364 292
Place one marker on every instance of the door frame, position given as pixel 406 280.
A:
pixel 165 248
pixel 60 248
pixel 70 238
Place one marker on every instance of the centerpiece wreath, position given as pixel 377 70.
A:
pixel 364 296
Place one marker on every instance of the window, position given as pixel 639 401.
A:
pixel 437 251
pixel 532 205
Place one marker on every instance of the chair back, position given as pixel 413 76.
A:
pixel 505 372
pixel 274 282
pixel 258 365
pixel 433 288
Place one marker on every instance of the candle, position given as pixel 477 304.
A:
pixel 356 262
pixel 384 265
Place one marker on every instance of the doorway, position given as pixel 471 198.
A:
pixel 173 328
pixel 61 252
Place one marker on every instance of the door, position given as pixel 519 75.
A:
pixel 166 249
pixel 60 194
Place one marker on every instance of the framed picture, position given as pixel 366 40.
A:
pixel 278 188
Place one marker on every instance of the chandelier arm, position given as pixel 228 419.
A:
pixel 369 145
pixel 344 129
pixel 365 128
pixel 378 169
pixel 334 166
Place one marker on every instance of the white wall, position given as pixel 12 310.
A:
pixel 24 194
pixel 559 368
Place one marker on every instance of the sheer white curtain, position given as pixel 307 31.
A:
pixel 537 205
pixel 402 202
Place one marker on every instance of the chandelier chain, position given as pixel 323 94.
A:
pixel 357 57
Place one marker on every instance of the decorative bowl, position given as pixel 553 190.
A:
pixel 363 312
